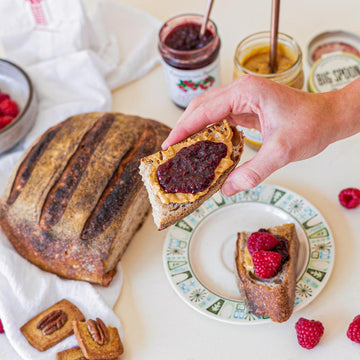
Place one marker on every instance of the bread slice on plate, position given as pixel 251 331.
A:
pixel 171 205
pixel 275 296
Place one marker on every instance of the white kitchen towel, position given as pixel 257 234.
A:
pixel 74 58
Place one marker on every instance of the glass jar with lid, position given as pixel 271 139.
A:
pixel 191 63
pixel 252 56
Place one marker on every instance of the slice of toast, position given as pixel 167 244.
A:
pixel 272 297
pixel 167 209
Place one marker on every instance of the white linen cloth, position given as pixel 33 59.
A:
pixel 74 58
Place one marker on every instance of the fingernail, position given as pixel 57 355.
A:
pixel 228 189
pixel 164 145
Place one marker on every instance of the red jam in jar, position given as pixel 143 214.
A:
pixel 192 169
pixel 190 62
pixel 187 37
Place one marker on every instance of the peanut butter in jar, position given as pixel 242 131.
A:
pixel 252 56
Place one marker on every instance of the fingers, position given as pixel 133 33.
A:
pixel 255 171
pixel 250 121
pixel 226 101
pixel 204 110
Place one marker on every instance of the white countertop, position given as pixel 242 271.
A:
pixel 157 323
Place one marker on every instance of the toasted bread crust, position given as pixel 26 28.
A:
pixel 274 297
pixel 166 215
pixel 76 198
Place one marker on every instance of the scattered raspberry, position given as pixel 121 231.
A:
pixel 9 107
pixel 5 120
pixel 266 263
pixel 3 97
pixel 261 241
pixel 349 198
pixel 1 328
pixel 309 332
pixel 353 332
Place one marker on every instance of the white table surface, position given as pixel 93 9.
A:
pixel 157 323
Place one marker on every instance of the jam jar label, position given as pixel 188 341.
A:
pixel 185 85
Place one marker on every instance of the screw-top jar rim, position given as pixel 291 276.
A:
pixel 281 36
pixel 197 18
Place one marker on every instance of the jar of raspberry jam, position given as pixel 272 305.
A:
pixel 191 63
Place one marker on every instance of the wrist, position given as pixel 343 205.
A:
pixel 344 109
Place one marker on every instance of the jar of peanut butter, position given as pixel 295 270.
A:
pixel 252 56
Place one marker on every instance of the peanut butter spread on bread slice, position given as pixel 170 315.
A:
pixel 220 133
pixel 248 263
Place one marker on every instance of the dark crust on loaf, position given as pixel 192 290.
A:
pixel 59 248
pixel 275 301
pixel 60 194
pixel 29 163
pixel 117 192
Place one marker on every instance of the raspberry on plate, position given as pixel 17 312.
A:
pixel 266 263
pixel 309 332
pixel 9 107
pixel 261 241
pixel 4 96
pixel 5 120
pixel 353 332
pixel 1 328
pixel 349 198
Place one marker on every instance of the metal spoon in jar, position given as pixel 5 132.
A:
pixel 206 18
pixel 275 9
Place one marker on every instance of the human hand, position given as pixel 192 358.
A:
pixel 295 125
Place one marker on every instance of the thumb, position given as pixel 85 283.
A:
pixel 253 172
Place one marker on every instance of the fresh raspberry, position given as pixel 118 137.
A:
pixel 309 332
pixel 3 97
pixel 9 107
pixel 266 263
pixel 353 332
pixel 1 328
pixel 349 198
pixel 5 120
pixel 261 241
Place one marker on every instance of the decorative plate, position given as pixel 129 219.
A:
pixel 199 250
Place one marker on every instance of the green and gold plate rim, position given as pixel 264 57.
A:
pixel 312 280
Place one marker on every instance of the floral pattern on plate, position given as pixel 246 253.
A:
pixel 185 244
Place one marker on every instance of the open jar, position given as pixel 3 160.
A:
pixel 252 56
pixel 191 63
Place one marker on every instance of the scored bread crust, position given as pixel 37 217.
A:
pixel 166 215
pixel 272 297
pixel 75 199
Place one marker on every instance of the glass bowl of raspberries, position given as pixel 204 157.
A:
pixel 18 104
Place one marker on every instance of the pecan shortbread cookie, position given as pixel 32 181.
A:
pixel 96 340
pixel 52 325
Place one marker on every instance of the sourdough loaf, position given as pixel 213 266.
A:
pixel 167 209
pixel 76 198
pixel 273 297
